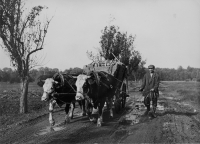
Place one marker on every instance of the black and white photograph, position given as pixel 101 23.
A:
pixel 99 71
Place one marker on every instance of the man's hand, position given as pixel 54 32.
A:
pixel 152 89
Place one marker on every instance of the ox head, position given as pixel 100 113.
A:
pixel 49 88
pixel 82 84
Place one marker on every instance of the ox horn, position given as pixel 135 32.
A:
pixel 56 82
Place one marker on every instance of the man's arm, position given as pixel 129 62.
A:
pixel 143 83
pixel 157 81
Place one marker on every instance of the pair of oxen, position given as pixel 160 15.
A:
pixel 90 91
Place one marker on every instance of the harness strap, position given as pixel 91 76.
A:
pixel 71 86
pixel 105 84
pixel 111 85
pixel 79 92
pixel 54 98
pixel 97 79
pixel 62 84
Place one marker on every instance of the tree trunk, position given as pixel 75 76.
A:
pixel 24 94
pixel 134 76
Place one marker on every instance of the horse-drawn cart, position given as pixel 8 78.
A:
pixel 119 72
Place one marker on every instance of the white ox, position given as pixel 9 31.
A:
pixel 51 94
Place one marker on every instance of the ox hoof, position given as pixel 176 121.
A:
pixel 99 124
pixel 93 119
pixel 83 114
pixel 51 129
pixel 67 120
pixel 110 117
pixel 52 122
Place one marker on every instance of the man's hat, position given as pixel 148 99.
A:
pixel 151 67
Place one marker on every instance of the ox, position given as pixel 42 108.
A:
pixel 61 90
pixel 96 87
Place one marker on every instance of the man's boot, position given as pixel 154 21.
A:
pixel 154 112
pixel 147 111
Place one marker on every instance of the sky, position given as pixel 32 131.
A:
pixel 167 32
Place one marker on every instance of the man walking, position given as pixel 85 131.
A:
pixel 150 84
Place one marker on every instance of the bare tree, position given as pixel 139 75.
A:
pixel 22 36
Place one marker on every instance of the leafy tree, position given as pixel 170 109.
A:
pixel 14 77
pixel 107 43
pixel 22 36
pixel 34 74
pixel 1 74
pixel 134 62
pixel 5 76
pixel 116 44
pixel 55 70
pixel 141 70
pixel 76 71
pixel 67 71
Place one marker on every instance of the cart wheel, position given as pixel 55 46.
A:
pixel 123 96
pixel 117 102
pixel 117 105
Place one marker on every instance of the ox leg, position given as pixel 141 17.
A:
pixel 69 112
pixel 110 107
pixel 89 109
pixel 82 105
pixel 51 107
pixel 100 115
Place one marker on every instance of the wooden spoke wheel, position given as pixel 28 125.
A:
pixel 123 95
pixel 117 102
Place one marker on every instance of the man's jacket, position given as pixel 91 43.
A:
pixel 149 82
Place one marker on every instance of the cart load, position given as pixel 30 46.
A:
pixel 116 69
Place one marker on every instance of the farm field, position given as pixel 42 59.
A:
pixel 9 104
pixel 178 119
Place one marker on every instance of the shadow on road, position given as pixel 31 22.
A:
pixel 92 132
pixel 177 113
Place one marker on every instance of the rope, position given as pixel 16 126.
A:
pixel 71 86
pixel 65 93
pixel 98 81
pixel 63 101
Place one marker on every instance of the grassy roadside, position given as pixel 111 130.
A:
pixel 9 104
pixel 186 91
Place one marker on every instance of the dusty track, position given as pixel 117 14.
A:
pixel 176 123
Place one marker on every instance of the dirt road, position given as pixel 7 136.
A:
pixel 177 122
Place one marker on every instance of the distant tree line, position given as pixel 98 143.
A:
pixel 179 74
pixel 166 74
pixel 11 76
